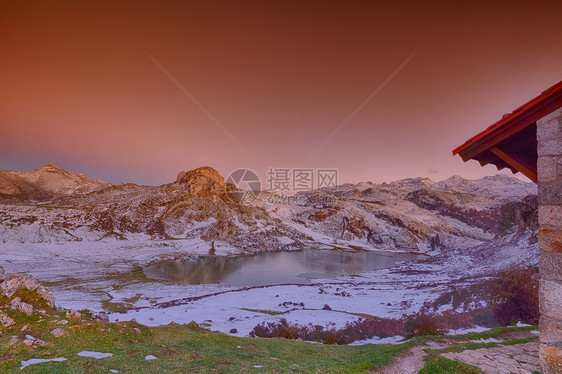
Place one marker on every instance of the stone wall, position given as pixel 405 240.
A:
pixel 549 147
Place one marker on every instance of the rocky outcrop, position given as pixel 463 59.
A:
pixel 454 206
pixel 322 214
pixel 16 282
pixel 513 215
pixel 204 181
pixel 22 293
pixel 519 215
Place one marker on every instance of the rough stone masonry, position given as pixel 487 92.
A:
pixel 549 164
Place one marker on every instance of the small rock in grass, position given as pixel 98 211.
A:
pixel 137 330
pixel 150 357
pixel 34 342
pixel 20 306
pixel 59 331
pixel 258 366
pixel 113 371
pixel 62 322
pixel 30 337
pixel 24 328
pixel 13 340
pixel 6 321
pixel 73 314
pixel 102 316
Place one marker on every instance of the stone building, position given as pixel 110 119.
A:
pixel 529 140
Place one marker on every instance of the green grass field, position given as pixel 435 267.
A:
pixel 183 349
pixel 191 349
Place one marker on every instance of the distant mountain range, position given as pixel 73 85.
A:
pixel 50 204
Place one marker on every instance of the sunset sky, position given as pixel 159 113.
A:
pixel 137 91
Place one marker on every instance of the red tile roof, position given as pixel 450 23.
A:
pixel 511 141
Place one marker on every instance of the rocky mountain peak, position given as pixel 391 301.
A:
pixel 45 182
pixel 49 168
pixel 502 178
pixel 455 180
pixel 202 181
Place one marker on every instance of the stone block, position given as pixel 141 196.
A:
pixel 552 147
pixel 550 215
pixel 550 266
pixel 555 117
pixel 547 168
pixel 550 192
pixel 550 239
pixel 550 330
pixel 550 359
pixel 550 300
pixel 550 126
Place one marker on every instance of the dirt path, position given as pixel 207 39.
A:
pixel 412 361
pixel 409 363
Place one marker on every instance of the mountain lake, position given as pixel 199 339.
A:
pixel 271 268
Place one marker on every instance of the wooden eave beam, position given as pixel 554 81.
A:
pixel 527 169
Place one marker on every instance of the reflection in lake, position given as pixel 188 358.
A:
pixel 274 267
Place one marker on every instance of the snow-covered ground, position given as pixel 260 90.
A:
pixel 97 276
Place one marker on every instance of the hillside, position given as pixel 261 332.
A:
pixel 49 204
pixel 44 183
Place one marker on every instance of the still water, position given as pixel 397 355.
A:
pixel 271 268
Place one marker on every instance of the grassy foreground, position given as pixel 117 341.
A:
pixel 191 349
pixel 182 349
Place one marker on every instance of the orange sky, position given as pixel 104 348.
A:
pixel 78 87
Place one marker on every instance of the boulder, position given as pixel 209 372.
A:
pixel 17 304
pixel 58 332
